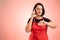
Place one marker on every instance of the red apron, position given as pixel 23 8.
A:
pixel 38 32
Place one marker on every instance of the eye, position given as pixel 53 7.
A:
pixel 39 9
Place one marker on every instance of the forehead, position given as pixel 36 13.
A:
pixel 39 6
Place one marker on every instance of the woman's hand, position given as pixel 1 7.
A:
pixel 33 14
pixel 50 24
pixel 41 23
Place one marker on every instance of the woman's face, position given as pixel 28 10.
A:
pixel 38 10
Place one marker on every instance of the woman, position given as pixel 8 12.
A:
pixel 37 24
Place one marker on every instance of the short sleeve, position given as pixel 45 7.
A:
pixel 47 20
pixel 28 20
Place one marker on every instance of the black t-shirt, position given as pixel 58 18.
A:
pixel 38 20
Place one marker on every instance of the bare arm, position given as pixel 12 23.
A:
pixel 50 24
pixel 29 25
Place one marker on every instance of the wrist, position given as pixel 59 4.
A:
pixel 46 22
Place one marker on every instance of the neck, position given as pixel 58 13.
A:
pixel 38 17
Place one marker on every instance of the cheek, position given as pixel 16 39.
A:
pixel 37 10
pixel 41 11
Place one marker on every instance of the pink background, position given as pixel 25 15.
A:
pixel 14 15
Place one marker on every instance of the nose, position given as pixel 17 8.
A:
pixel 39 10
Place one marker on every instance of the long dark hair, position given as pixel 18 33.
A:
pixel 43 10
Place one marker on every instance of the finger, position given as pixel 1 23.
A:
pixel 34 12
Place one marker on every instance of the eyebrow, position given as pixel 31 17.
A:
pixel 39 8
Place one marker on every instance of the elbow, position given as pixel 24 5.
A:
pixel 27 30
pixel 53 26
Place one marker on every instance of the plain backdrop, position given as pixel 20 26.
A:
pixel 14 15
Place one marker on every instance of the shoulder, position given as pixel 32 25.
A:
pixel 29 20
pixel 47 19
